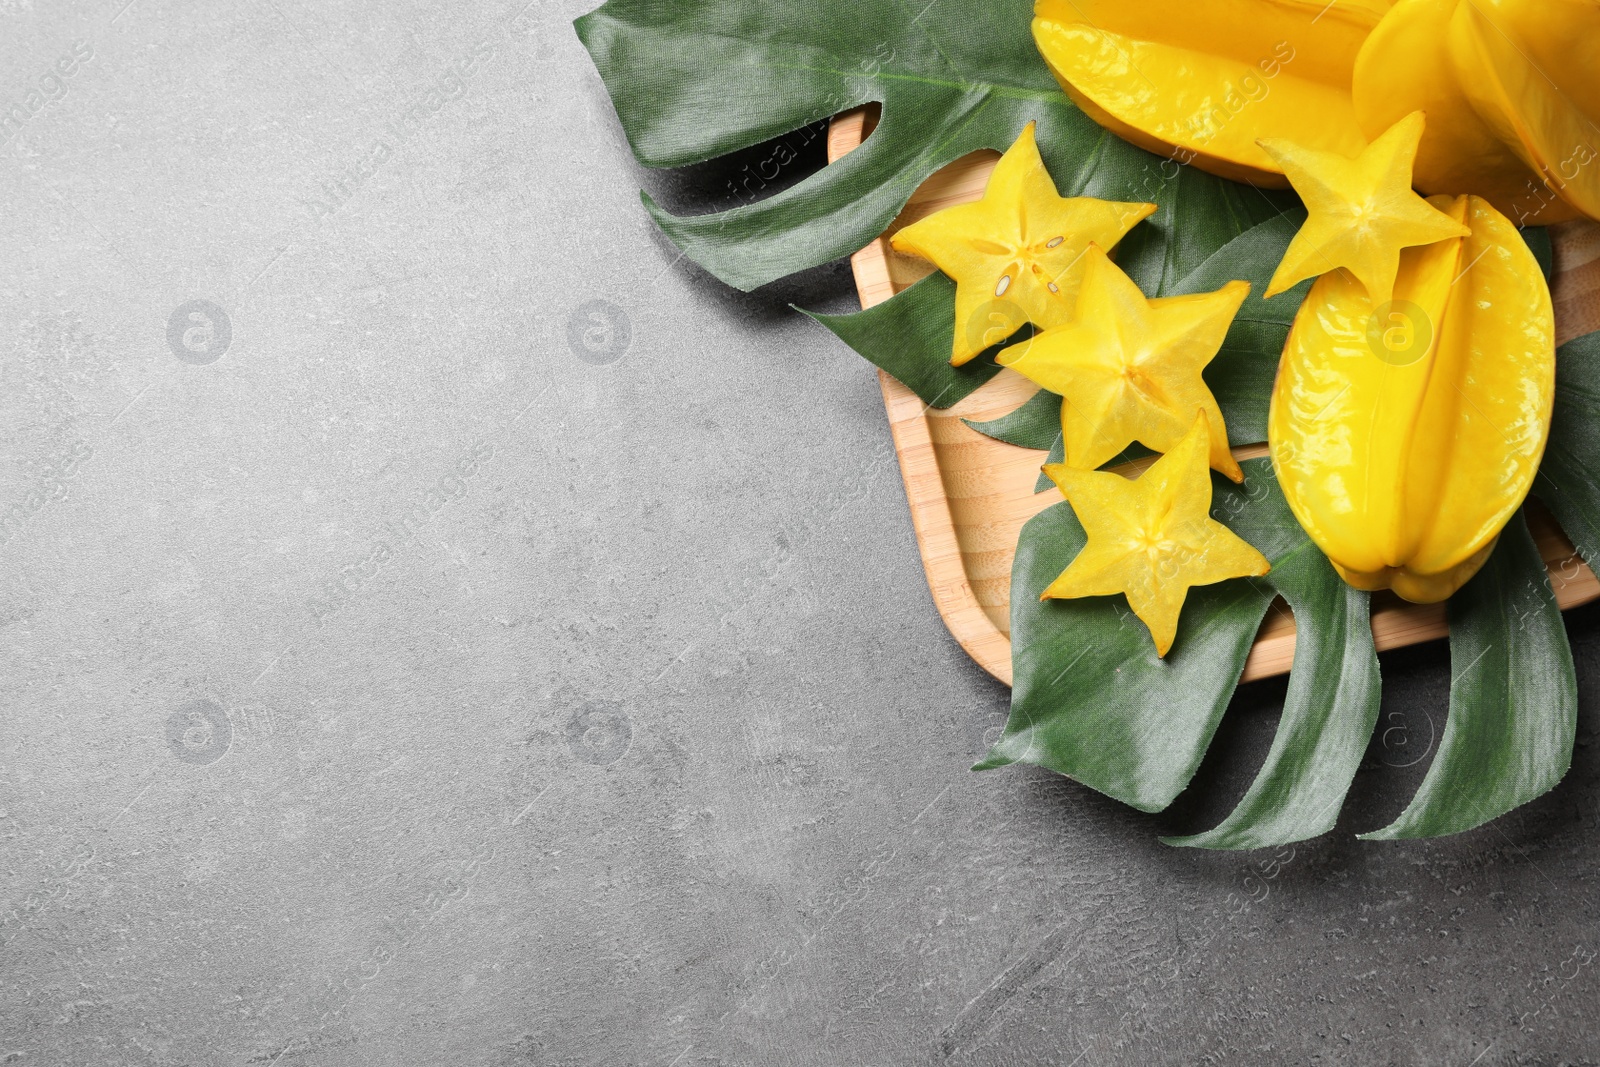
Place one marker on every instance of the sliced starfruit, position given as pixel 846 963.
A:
pixel 1129 368
pixel 1201 82
pixel 1406 435
pixel 1360 212
pixel 1511 94
pixel 1152 538
pixel 1016 255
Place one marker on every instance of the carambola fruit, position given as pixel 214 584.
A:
pixel 1406 435
pixel 1202 81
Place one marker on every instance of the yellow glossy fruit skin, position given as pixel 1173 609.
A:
pixel 1511 93
pixel 1404 67
pixel 1201 81
pixel 1532 72
pixel 1404 444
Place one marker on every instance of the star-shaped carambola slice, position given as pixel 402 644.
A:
pixel 1128 368
pixel 1015 255
pixel 1361 211
pixel 1153 538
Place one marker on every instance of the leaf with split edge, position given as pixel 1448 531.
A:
pixel 1036 424
pixel 1513 698
pixel 1328 713
pixel 896 334
pixel 681 77
pixel 691 82
pixel 694 81
pixel 696 87
pixel 1083 697
pixel 1569 476
pixel 1091 699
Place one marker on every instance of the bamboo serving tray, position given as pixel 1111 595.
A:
pixel 970 495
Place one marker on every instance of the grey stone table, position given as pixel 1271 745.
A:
pixel 406 659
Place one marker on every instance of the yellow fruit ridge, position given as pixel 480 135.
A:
pixel 1151 538
pixel 1016 255
pixel 1535 68
pixel 1511 94
pixel 1202 81
pixel 1129 368
pixel 1406 435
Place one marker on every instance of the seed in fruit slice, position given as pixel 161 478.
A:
pixel 1017 254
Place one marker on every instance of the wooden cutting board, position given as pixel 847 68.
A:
pixel 970 495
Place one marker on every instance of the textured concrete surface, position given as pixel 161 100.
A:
pixel 407 660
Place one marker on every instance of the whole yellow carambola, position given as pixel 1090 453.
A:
pixel 1511 88
pixel 1405 436
pixel 1202 80
pixel 1512 93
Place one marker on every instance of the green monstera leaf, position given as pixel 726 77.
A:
pixel 1092 700
pixel 909 336
pixel 1569 477
pixel 693 81
pixel 1513 698
pixel 1328 713
pixel 1036 423
pixel 697 79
